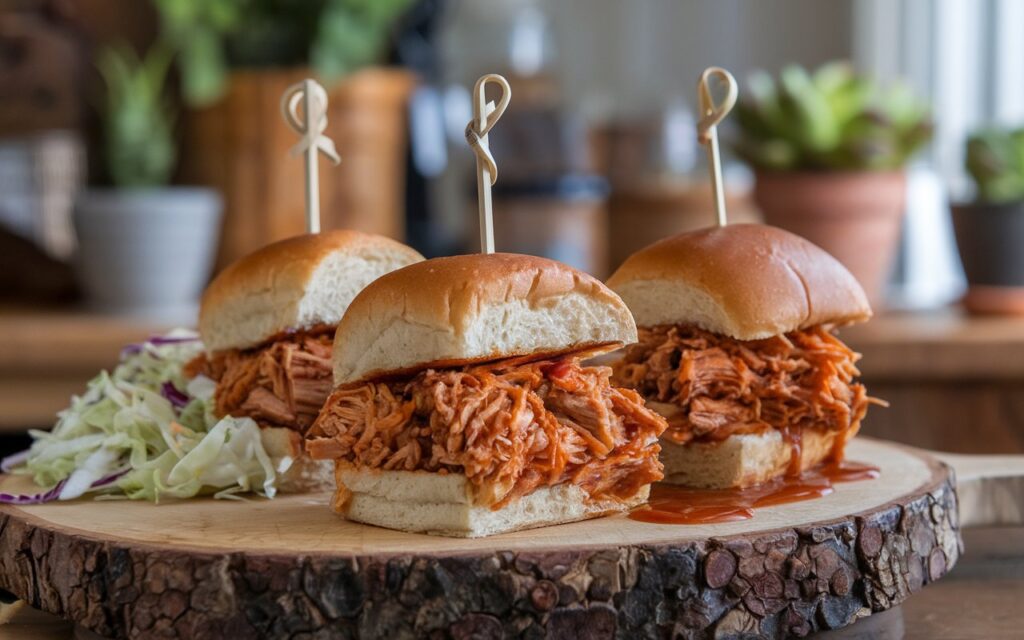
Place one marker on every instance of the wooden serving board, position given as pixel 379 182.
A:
pixel 282 567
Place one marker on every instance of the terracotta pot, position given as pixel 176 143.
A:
pixel 989 238
pixel 241 146
pixel 643 213
pixel 855 216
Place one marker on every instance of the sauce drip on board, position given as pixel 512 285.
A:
pixel 672 504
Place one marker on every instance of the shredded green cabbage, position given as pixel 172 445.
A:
pixel 126 437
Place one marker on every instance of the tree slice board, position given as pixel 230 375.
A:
pixel 290 567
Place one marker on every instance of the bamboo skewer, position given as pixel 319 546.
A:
pixel 313 99
pixel 485 114
pixel 711 115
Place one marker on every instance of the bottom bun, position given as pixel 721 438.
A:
pixel 305 475
pixel 743 460
pixel 424 502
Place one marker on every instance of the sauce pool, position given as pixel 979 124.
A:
pixel 673 504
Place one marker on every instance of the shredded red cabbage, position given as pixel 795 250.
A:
pixel 131 349
pixel 137 347
pixel 162 340
pixel 177 398
pixel 52 494
pixel 33 498
pixel 109 479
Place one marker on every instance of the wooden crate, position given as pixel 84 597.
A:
pixel 241 146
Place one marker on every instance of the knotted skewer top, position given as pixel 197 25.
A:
pixel 311 126
pixel 313 98
pixel 485 114
pixel 711 115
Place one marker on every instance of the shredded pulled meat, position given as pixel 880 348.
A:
pixel 281 384
pixel 509 428
pixel 724 386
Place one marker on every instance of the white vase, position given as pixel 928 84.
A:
pixel 146 251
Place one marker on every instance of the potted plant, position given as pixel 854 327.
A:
pixel 829 149
pixel 990 229
pixel 236 58
pixel 143 246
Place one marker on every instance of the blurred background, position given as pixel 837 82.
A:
pixel 142 149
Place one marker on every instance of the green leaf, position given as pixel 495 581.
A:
pixel 335 36
pixel 831 119
pixel 224 15
pixel 345 42
pixel 995 160
pixel 203 69
pixel 811 121
pixel 138 118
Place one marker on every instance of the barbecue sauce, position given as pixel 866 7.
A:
pixel 673 504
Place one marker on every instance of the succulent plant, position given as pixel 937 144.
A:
pixel 138 117
pixel 833 119
pixel 995 160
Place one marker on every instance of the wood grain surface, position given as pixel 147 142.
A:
pixel 954 382
pixel 944 344
pixel 45 357
pixel 990 488
pixel 206 568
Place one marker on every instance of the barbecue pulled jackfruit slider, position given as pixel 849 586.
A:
pixel 737 350
pixel 267 322
pixel 462 409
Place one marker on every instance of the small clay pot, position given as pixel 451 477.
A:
pixel 854 215
pixel 990 238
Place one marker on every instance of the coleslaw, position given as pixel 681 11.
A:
pixel 146 432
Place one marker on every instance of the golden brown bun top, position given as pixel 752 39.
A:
pixel 293 284
pixel 747 281
pixel 473 308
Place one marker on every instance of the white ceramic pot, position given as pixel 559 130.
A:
pixel 146 251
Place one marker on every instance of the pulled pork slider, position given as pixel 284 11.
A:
pixel 462 409
pixel 736 349
pixel 267 322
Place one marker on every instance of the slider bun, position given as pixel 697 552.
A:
pixel 741 460
pixel 472 308
pixel 424 502
pixel 746 281
pixel 296 283
pixel 305 475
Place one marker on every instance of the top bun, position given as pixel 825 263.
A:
pixel 474 308
pixel 747 281
pixel 294 284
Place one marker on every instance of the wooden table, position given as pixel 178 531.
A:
pixel 979 599
pixel 45 357
pixel 954 382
